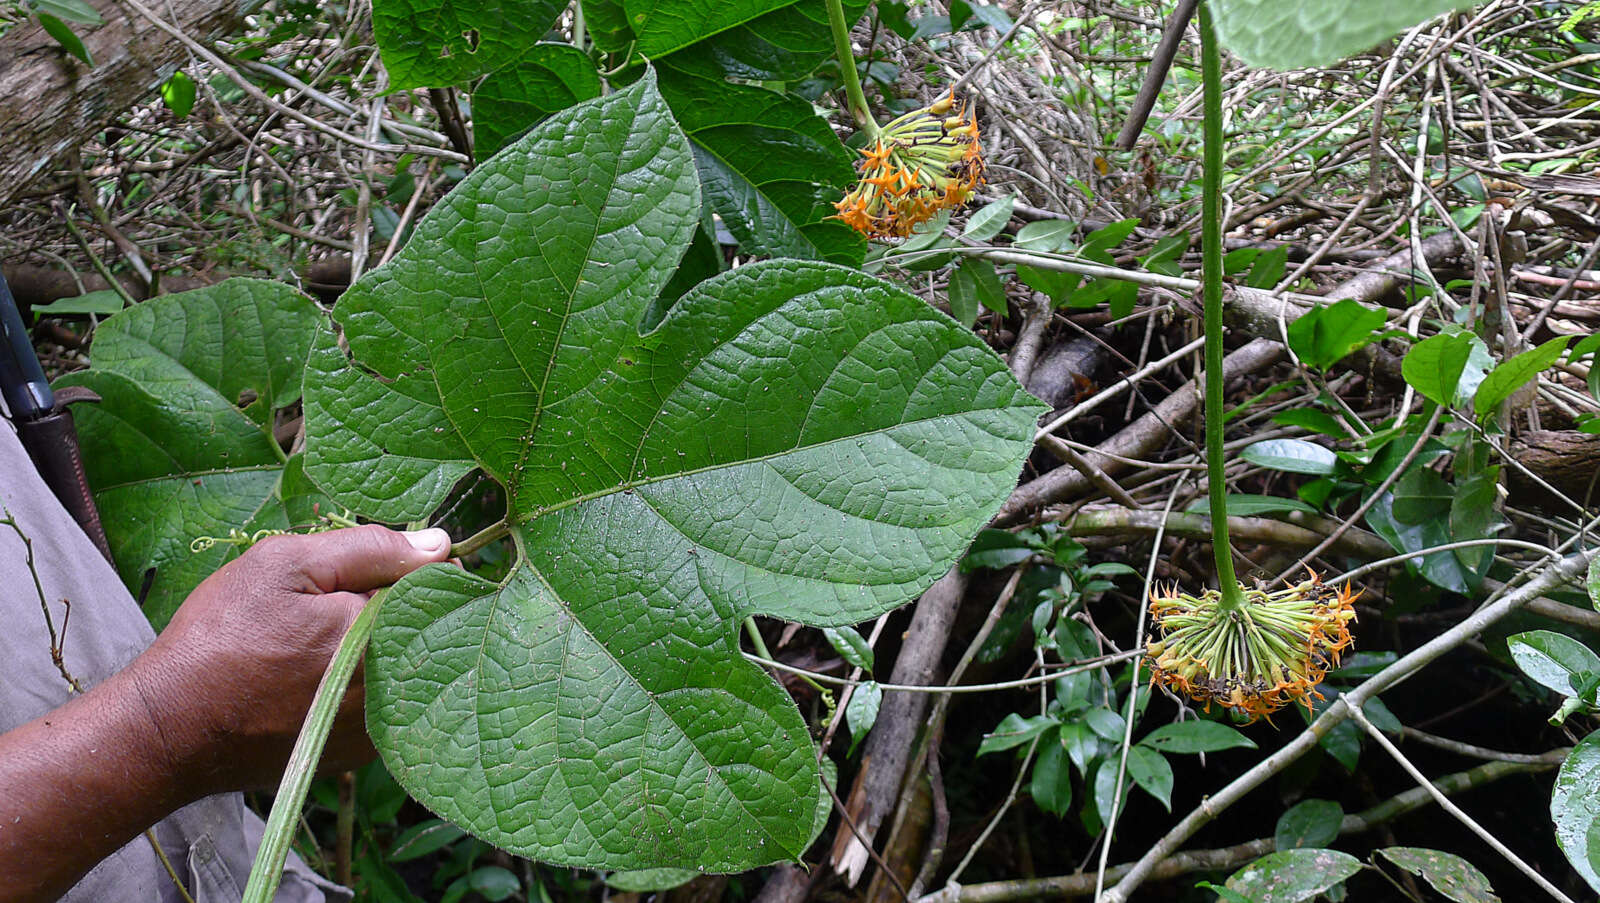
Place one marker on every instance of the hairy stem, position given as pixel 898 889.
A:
pixel 847 69
pixel 1211 277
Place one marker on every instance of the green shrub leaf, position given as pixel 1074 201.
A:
pixel 180 446
pixel 794 439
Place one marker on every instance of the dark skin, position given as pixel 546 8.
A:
pixel 213 705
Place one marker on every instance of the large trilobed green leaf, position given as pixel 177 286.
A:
pixel 434 43
pixel 1294 34
pixel 181 445
pixel 795 438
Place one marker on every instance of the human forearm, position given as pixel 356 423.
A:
pixel 81 781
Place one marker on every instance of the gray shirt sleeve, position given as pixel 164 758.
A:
pixel 211 843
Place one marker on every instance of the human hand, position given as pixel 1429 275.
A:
pixel 230 680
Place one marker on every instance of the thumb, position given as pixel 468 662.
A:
pixel 358 559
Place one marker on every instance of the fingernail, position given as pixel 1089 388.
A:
pixel 431 541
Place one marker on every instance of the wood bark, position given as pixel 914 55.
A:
pixel 52 101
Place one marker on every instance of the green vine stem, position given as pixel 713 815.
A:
pixel 1211 277
pixel 847 69
pixel 274 851
pixel 497 530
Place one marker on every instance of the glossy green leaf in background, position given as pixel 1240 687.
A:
pixel 663 26
pixel 795 439
pixel 1573 810
pixel 1294 34
pixel 434 43
pixel 547 78
pixel 181 444
pixel 769 165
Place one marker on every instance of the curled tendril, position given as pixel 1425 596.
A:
pixel 237 537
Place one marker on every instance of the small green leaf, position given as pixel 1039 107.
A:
pixel 423 838
pixel 1297 34
pixel 1105 788
pixel 1051 784
pixel 1151 771
pixel 1434 365
pixel 862 712
pixel 1308 823
pixel 996 549
pixel 102 303
pixel 493 882
pixel 1243 505
pixel 1046 235
pixel 1195 737
pixel 1448 873
pixel 1323 336
pixel 1513 374
pixel 64 36
pixel 177 92
pixel 1056 285
pixel 1015 730
pixel 990 219
pixel 1267 270
pixel 647 881
pixel 69 11
pixel 1291 456
pixel 851 646
pixel 1106 723
pixel 1553 659
pixel 1572 807
pixel 1290 876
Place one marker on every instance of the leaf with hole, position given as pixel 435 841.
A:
pixel 436 43
pixel 794 439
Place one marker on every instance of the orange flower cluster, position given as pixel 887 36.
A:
pixel 922 162
pixel 1255 659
